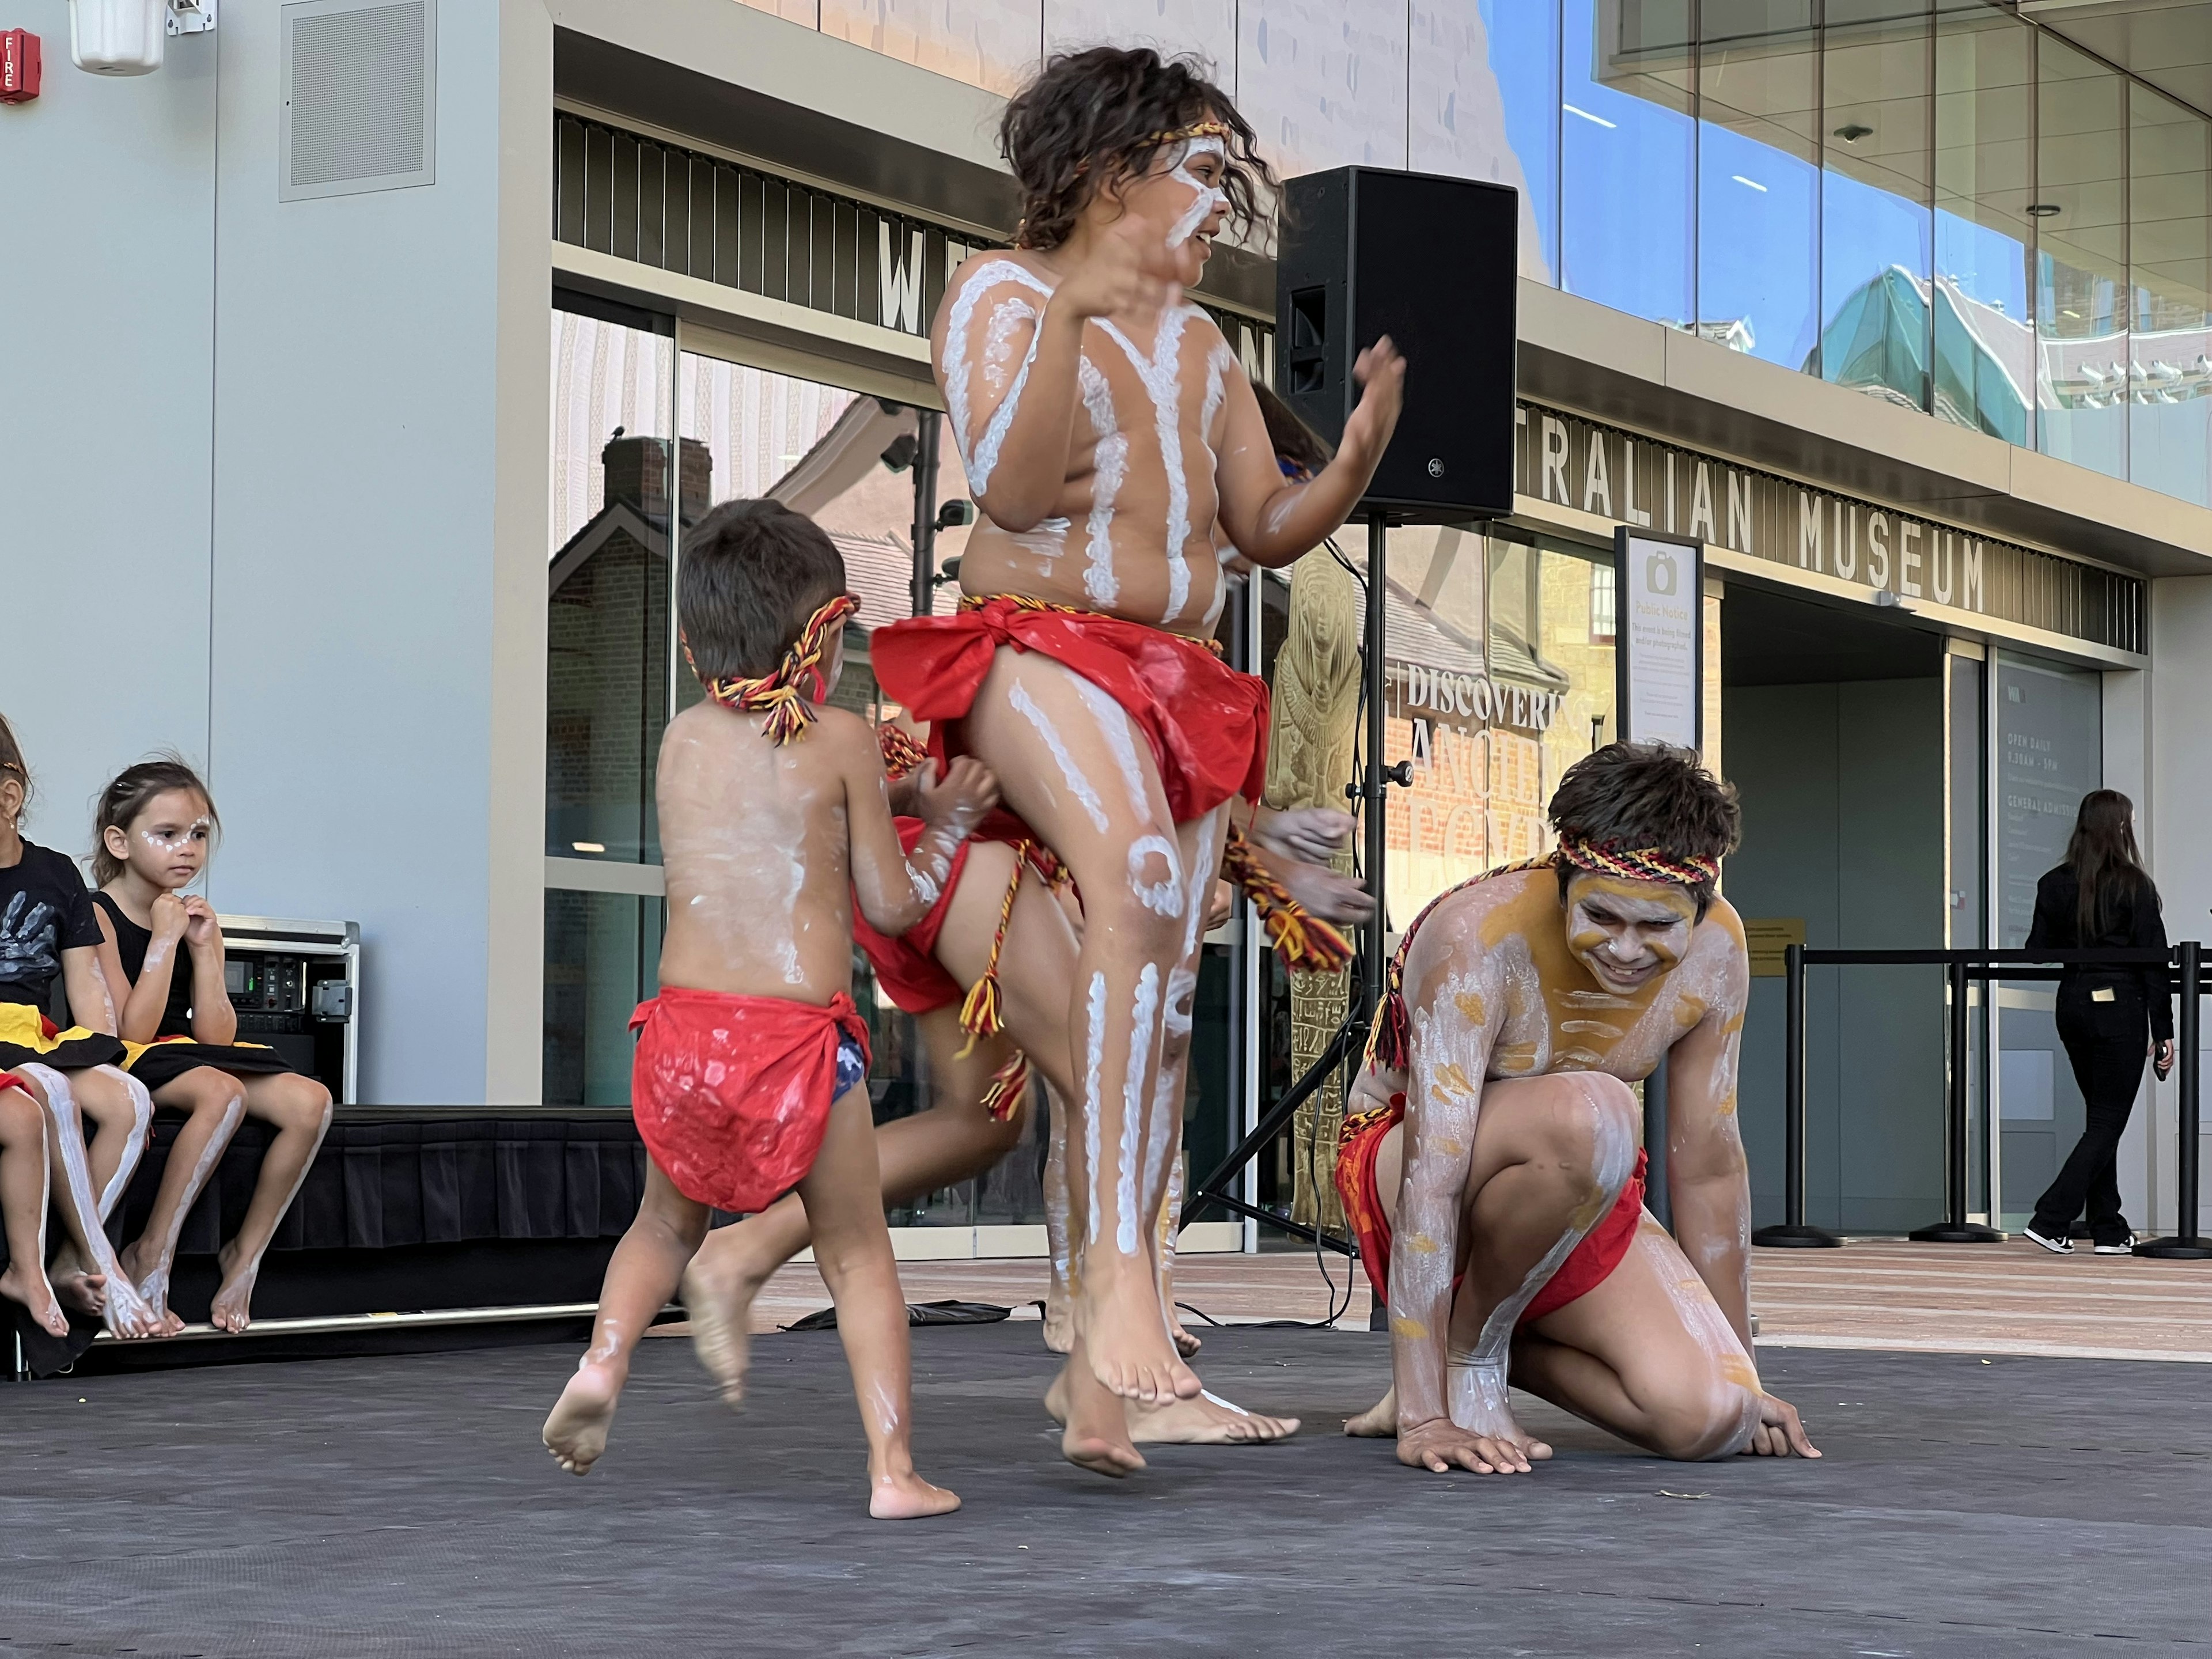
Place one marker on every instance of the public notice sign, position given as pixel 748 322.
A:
pixel 1659 638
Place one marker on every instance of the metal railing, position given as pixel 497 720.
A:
pixel 2185 965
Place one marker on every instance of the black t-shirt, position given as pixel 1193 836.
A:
pixel 44 911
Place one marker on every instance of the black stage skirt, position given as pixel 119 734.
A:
pixel 27 1037
pixel 156 1064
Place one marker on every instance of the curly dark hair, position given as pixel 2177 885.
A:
pixel 1097 114
pixel 1648 794
pixel 752 572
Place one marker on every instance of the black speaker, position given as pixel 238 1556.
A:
pixel 1432 263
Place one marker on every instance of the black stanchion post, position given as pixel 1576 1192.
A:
pixel 1954 1228
pixel 925 512
pixel 2185 1245
pixel 1793 1233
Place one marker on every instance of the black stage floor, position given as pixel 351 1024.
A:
pixel 402 1506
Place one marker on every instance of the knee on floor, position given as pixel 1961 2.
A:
pixel 1702 1423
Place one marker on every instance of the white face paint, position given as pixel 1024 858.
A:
pixel 1205 199
pixel 1143 1021
pixel 1162 378
pixel 1109 465
pixel 1078 785
pixel 1093 1099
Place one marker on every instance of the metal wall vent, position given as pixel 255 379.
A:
pixel 360 95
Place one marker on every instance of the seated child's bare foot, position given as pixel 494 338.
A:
pixel 153 1289
pixel 231 1310
pixel 719 1288
pixel 23 1282
pixel 576 1430
pixel 1208 1420
pixel 1131 1350
pixel 127 1314
pixel 1095 1424
pixel 903 1495
pixel 78 1291
pixel 1379 1421
pixel 1186 1340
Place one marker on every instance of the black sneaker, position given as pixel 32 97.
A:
pixel 2126 1246
pixel 2060 1246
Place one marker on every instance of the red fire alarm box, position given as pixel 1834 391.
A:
pixel 19 66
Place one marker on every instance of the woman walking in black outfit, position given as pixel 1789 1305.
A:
pixel 2108 1018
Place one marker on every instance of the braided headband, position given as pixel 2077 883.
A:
pixel 780 693
pixel 1638 863
pixel 1209 129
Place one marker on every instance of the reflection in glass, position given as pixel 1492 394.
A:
pixel 2081 260
pixel 1627 185
pixel 1985 351
pixel 1876 225
pixel 2170 251
pixel 1757 186
pixel 602 959
pixel 607 624
pixel 1484 91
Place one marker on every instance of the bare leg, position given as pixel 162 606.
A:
pixel 641 1277
pixel 949 1143
pixel 216 1105
pixel 298 1109
pixel 85 1274
pixel 23 1191
pixel 118 1113
pixel 843 1195
pixel 1060 1245
pixel 1649 1355
pixel 1074 766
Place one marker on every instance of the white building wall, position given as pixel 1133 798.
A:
pixel 267 509
pixel 2180 818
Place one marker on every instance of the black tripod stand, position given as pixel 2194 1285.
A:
pixel 1343 1049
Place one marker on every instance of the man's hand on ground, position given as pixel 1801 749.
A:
pixel 1779 1433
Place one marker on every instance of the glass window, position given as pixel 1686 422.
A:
pixel 992 44
pixel 1484 92
pixel 2081 260
pixel 1984 368
pixel 607 627
pixel 2170 267
pixel 1324 85
pixel 1876 214
pixel 1627 180
pixel 1758 179
pixel 602 959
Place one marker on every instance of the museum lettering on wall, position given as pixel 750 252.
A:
pixel 1564 458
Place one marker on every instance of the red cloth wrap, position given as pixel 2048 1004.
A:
pixel 907 969
pixel 1206 723
pixel 1587 1267
pixel 732 1094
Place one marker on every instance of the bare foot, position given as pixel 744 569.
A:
pixel 231 1310
pixel 1059 1319
pixel 906 1497
pixel 78 1291
pixel 127 1314
pixel 27 1284
pixel 1095 1424
pixel 1208 1420
pixel 1186 1344
pixel 1379 1421
pixel 1131 1351
pixel 153 1288
pixel 576 1432
pixel 719 1288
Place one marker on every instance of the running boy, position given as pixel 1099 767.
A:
pixel 774 822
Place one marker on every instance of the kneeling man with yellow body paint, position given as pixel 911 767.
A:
pixel 1491 1163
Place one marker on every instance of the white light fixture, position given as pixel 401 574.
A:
pixel 1749 184
pixel 1601 120
pixel 589 846
pixel 119 37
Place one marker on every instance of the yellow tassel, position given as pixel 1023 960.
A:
pixel 980 1014
pixel 1008 1084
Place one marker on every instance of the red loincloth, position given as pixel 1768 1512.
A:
pixel 1587 1267
pixel 732 1094
pixel 1206 723
pixel 906 967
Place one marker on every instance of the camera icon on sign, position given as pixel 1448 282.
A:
pixel 1659 573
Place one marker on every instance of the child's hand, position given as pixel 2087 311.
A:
pixel 1381 372
pixel 1112 280
pixel 201 928
pixel 171 918
pixel 959 801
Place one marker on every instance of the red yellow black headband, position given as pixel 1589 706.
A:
pixel 780 693
pixel 1638 863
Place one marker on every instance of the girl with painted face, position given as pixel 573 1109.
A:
pixel 1491 1165
pixel 1105 427
pixel 162 954
pixel 49 964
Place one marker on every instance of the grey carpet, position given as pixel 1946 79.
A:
pixel 403 1505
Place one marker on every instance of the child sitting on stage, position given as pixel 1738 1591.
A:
pixel 751 1063
pixel 155 824
pixel 23 1206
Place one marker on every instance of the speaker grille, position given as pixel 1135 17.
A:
pixel 359 92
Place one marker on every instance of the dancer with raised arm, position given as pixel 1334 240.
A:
pixel 1515 1248
pixel 1105 426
